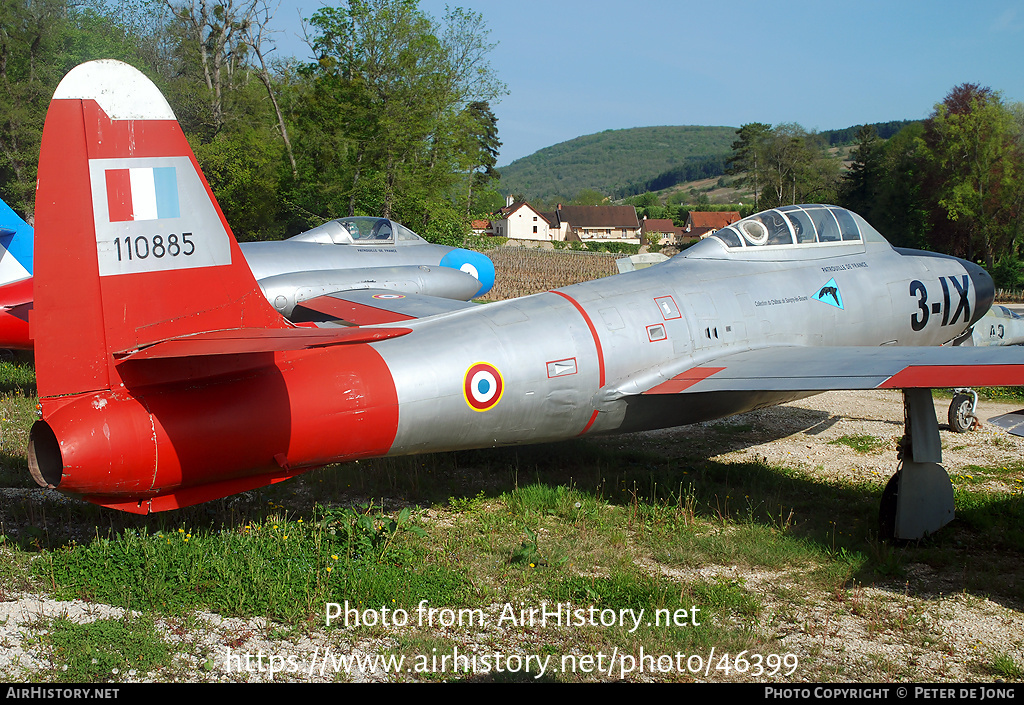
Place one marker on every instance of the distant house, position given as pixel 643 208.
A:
pixel 480 227
pixel 663 232
pixel 700 224
pixel 601 223
pixel 521 221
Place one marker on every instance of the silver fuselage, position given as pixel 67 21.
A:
pixel 571 360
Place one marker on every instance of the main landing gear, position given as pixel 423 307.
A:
pixel 918 500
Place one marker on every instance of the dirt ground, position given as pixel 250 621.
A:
pixel 799 434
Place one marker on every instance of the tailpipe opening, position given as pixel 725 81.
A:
pixel 44 459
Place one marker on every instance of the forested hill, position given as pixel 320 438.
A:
pixel 884 130
pixel 615 162
pixel 622 163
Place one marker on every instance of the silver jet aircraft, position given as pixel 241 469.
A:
pixel 363 253
pixel 779 306
pixel 202 397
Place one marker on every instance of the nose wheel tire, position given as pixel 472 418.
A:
pixel 961 413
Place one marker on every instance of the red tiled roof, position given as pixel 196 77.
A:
pixel 600 216
pixel 660 225
pixel 706 219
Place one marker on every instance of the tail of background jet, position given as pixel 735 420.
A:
pixel 15 246
pixel 132 246
pixel 15 279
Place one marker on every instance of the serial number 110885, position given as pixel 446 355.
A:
pixel 141 247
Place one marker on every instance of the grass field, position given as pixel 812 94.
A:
pixel 744 571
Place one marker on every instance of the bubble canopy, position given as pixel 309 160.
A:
pixel 359 230
pixel 798 226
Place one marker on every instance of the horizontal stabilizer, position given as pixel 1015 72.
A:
pixel 366 307
pixel 16 295
pixel 257 340
pixel 1012 422
pixel 15 306
pixel 793 368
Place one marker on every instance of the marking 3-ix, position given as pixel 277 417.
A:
pixel 962 286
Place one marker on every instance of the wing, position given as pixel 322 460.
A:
pixel 1012 422
pixel 363 307
pixel 810 369
pixel 689 391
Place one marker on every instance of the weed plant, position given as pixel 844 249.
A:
pixel 862 443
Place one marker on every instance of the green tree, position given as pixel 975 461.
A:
pixel 588 197
pixel 647 199
pixel 486 202
pixel 796 168
pixel 240 138
pixel 860 184
pixel 256 35
pixel 900 210
pixel 40 41
pixel 390 93
pixel 748 159
pixel 482 149
pixel 242 167
pixel 976 151
pixel 215 33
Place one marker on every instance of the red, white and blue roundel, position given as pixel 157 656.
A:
pixel 482 386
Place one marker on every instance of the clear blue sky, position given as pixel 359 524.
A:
pixel 577 67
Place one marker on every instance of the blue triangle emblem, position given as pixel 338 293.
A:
pixel 829 294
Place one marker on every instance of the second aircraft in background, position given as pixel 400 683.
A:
pixel 343 255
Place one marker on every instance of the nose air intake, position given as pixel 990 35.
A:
pixel 474 263
pixel 984 289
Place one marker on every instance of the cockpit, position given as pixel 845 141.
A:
pixel 798 226
pixel 359 230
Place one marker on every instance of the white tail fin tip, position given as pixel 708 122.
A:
pixel 121 90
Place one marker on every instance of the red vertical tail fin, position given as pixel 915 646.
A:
pixel 131 246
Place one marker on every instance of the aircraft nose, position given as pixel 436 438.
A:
pixel 474 263
pixel 984 289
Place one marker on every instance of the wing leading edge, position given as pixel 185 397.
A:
pixel 815 369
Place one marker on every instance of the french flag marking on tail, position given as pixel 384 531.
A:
pixel 142 193
pixel 154 214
